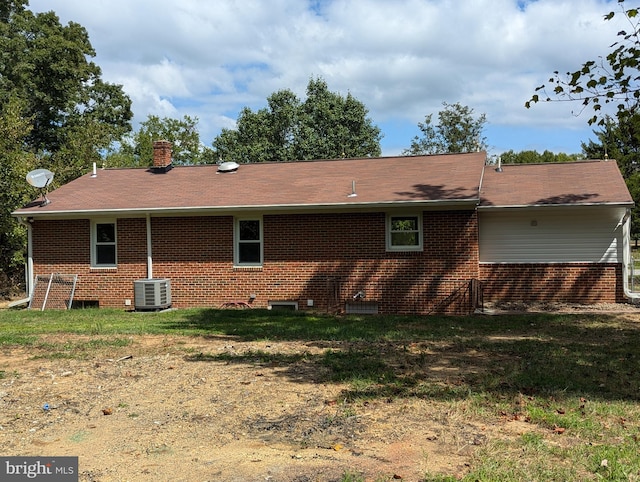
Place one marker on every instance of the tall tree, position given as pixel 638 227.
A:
pixel 457 131
pixel 46 65
pixel 15 162
pixel 619 139
pixel 137 149
pixel 612 79
pixel 325 126
pixel 55 112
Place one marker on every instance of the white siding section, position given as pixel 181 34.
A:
pixel 553 234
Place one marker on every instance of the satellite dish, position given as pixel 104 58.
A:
pixel 40 178
pixel 228 166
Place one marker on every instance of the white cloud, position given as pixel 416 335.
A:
pixel 402 58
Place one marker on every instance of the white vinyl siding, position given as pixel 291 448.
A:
pixel 551 235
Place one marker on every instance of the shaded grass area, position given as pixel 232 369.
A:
pixel 574 379
pixel 594 355
pixel 532 354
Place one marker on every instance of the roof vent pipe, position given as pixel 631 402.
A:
pixel 353 189
pixel 499 168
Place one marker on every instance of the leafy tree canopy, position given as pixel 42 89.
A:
pixel 619 139
pixel 535 157
pixel 55 112
pixel 137 149
pixel 73 114
pixel 325 126
pixel 457 131
pixel 612 79
pixel 15 162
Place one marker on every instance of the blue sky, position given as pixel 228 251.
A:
pixel 401 58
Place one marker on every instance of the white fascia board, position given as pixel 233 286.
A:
pixel 545 206
pixel 222 210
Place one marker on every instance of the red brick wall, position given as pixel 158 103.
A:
pixel 65 247
pixel 326 258
pixel 571 282
pixel 323 257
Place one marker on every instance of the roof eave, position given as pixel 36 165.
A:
pixel 265 208
pixel 566 205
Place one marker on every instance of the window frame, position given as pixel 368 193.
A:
pixel 95 243
pixel 420 232
pixel 237 241
pixel 282 305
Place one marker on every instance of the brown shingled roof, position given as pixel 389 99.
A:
pixel 586 182
pixel 451 178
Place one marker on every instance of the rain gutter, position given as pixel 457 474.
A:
pixel 280 208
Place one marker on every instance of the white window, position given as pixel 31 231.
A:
pixel 404 232
pixel 248 242
pixel 103 244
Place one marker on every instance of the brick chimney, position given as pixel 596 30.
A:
pixel 161 155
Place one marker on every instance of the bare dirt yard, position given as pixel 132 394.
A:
pixel 194 409
pixel 158 410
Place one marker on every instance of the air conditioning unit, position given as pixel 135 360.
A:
pixel 152 294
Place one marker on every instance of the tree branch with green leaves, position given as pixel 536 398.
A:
pixel 614 79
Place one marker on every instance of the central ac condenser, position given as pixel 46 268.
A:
pixel 152 294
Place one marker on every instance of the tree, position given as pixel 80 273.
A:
pixel 55 112
pixel 325 126
pixel 458 131
pixel 73 113
pixel 137 150
pixel 613 79
pixel 14 191
pixel 618 139
pixel 534 157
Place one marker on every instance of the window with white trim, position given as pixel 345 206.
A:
pixel 103 244
pixel 404 232
pixel 248 242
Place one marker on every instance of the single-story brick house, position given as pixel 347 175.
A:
pixel 418 234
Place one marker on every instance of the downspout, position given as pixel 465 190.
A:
pixel 149 247
pixel 625 222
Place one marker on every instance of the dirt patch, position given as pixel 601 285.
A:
pixel 220 409
pixel 166 408
pixel 556 307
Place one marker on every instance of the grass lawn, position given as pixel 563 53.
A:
pixel 574 378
